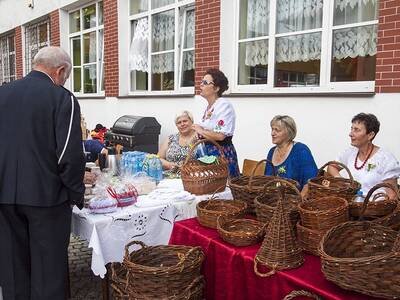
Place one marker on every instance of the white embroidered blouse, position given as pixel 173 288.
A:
pixel 381 166
pixel 220 117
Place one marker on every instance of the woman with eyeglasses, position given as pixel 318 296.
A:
pixel 218 121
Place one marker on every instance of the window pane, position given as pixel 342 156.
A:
pixel 74 22
pixel 254 18
pixel 187 69
pixel 253 62
pixel 100 13
pixel 298 60
pixel 101 59
pixel 89 79
pixel 189 30
pixel 159 3
pixel 354 54
pixel 138 6
pixel 43 33
pixel 11 44
pixel 162 71
pixel 89 47
pixel 139 81
pixel 163 31
pixel 297 15
pixel 138 54
pixel 89 16
pixel 352 11
pixel 77 80
pixel 76 51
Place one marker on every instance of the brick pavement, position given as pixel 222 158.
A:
pixel 84 284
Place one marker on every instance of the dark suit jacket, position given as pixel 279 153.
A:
pixel 41 156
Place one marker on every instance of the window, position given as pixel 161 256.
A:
pixel 86 34
pixel 161 54
pixel 307 45
pixel 7 58
pixel 37 36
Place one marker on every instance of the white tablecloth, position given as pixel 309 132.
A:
pixel 109 233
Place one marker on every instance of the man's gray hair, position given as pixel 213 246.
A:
pixel 53 58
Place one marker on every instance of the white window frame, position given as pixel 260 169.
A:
pixel 230 62
pixel 5 58
pixel 99 60
pixel 37 45
pixel 176 6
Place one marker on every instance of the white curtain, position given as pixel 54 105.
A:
pixel 159 3
pixel 162 63
pixel 296 15
pixel 257 25
pixel 341 4
pixel 138 54
pixel 187 30
pixel 353 42
pixel 303 47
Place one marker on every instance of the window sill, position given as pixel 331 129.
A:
pixel 90 97
pixel 156 95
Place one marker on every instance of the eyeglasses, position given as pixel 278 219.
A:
pixel 205 82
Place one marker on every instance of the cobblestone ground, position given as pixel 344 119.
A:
pixel 84 284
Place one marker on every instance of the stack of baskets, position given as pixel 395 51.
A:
pixel 159 272
pixel 199 178
pixel 324 185
pixel 318 216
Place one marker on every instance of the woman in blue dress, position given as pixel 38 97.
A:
pixel 218 120
pixel 291 159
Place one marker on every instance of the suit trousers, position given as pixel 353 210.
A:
pixel 34 251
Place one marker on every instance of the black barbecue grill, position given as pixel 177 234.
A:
pixel 135 133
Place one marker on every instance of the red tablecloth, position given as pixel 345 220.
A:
pixel 229 270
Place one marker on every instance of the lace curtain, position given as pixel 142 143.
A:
pixel 303 47
pixel 353 42
pixel 163 39
pixel 341 4
pixel 138 54
pixel 188 30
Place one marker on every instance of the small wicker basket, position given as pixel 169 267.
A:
pixel 309 239
pixel 240 232
pixel 301 293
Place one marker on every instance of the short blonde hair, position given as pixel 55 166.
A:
pixel 286 122
pixel 184 113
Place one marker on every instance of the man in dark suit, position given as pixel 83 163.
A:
pixel 41 174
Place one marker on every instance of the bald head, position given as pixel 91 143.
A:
pixel 55 62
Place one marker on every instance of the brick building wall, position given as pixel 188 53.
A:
pixel 388 56
pixel 18 52
pixel 111 48
pixel 55 28
pixel 207 40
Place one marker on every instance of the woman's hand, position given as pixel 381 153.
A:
pixel 171 165
pixel 198 129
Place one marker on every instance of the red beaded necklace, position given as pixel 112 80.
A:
pixel 365 161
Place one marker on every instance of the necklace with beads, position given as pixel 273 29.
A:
pixel 365 161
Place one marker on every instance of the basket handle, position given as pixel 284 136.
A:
pixel 221 151
pixel 196 281
pixel 258 273
pixel 337 163
pixel 143 245
pixel 371 191
pixel 282 181
pixel 294 294
pixel 218 190
pixel 256 167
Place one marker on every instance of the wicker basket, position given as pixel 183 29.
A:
pixel 301 293
pixel 324 185
pixel 247 188
pixel 363 257
pixel 266 202
pixel 323 213
pixel 208 211
pixel 378 206
pixel 240 232
pixel 279 249
pixel 161 270
pixel 309 239
pixel 199 178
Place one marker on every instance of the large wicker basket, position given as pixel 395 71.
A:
pixel 301 293
pixel 199 178
pixel 247 188
pixel 375 204
pixel 363 257
pixel 309 239
pixel 208 211
pixel 266 202
pixel 240 232
pixel 153 271
pixel 323 213
pixel 324 185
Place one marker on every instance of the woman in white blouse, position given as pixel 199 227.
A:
pixel 218 121
pixel 368 163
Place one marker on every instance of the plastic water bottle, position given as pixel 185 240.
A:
pixel 201 150
pixel 158 170
pixel 359 197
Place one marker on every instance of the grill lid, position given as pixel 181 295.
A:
pixel 136 125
